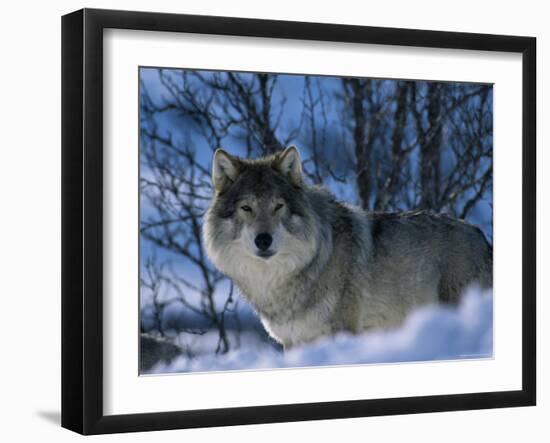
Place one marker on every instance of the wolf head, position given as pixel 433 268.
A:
pixel 260 218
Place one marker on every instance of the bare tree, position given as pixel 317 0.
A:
pixel 419 145
pixel 390 187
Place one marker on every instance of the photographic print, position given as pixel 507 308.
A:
pixel 302 220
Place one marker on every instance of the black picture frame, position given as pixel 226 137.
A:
pixel 82 218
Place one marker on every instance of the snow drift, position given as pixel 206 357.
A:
pixel 433 332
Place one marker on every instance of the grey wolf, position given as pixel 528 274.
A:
pixel 312 266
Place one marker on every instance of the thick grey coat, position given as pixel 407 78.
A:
pixel 331 267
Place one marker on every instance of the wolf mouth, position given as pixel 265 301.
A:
pixel 265 254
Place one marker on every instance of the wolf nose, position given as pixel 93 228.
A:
pixel 263 241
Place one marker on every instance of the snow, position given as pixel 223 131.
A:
pixel 434 332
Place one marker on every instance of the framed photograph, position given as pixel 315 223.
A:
pixel 269 221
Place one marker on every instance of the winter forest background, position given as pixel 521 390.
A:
pixel 386 145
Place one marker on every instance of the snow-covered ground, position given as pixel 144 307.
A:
pixel 429 333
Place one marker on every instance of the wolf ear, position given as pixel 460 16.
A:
pixel 224 169
pixel 290 164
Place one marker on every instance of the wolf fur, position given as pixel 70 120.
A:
pixel 329 266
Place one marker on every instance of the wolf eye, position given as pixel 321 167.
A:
pixel 246 208
pixel 279 206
